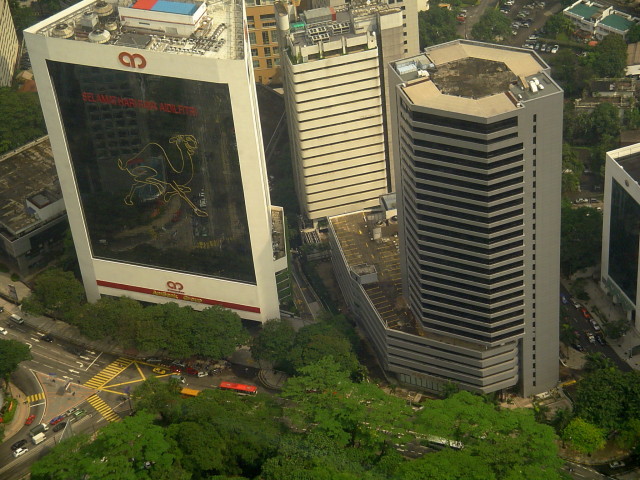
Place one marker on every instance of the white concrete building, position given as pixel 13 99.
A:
pixel 478 139
pixel 9 45
pixel 599 20
pixel 156 137
pixel 620 233
pixel 335 93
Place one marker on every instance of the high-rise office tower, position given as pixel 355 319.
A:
pixel 9 45
pixel 478 138
pixel 335 93
pixel 152 115
pixel 620 232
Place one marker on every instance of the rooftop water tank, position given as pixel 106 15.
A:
pixel 99 36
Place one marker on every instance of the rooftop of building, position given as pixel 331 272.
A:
pixel 331 23
pixel 211 28
pixel 617 22
pixel 474 78
pixel 27 174
pixel 585 10
pixel 369 243
pixel 629 159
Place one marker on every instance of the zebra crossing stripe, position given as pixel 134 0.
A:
pixel 103 409
pixel 35 397
pixel 108 373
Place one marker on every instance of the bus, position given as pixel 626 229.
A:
pixel 239 388
pixel 189 392
pixel 438 443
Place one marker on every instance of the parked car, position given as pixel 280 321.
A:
pixel 564 299
pixel 616 464
pixel 20 451
pixel 585 313
pixel 3 331
pixel 56 420
pixel 591 338
pixel 600 338
pixel 18 444
pixel 578 346
pixel 30 419
pixel 595 325
pixel 59 426
pixel 555 49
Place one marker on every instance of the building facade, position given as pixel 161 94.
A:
pixel 9 45
pixel 153 119
pixel 478 134
pixel 599 20
pixel 620 234
pixel 335 98
pixel 263 37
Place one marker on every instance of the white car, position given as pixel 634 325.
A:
pixel 20 451
pixel 555 49
pixel 3 331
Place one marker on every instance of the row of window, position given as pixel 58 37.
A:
pixel 267 37
pixel 269 62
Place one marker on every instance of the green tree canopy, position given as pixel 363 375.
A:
pixel 605 121
pixel 22 119
pixel 559 24
pixel 633 34
pixel 583 436
pixel 12 353
pixel 493 26
pixel 610 57
pixel 56 293
pixel 580 238
pixel 436 25
pixel 571 170
pixel 274 342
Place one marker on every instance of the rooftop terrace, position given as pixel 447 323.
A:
pixel 27 174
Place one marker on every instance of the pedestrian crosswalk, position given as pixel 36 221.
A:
pixel 103 409
pixel 35 397
pixel 111 371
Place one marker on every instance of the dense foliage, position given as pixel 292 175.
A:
pixel 22 119
pixel 324 427
pixel 180 331
pixel 493 27
pixel 12 353
pixel 580 238
pixel 436 25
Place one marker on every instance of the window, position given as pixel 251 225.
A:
pixel 256 64
pixel 269 63
pixel 267 51
pixel 269 16
pixel 252 38
pixel 265 37
pixel 276 61
pixel 250 18
pixel 276 50
pixel 274 36
pixel 535 118
pixel 254 52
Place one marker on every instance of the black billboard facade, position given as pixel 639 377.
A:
pixel 156 166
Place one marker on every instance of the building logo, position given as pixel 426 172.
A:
pixel 132 60
pixel 175 287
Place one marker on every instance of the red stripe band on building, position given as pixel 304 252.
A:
pixel 177 296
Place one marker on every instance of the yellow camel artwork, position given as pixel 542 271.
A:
pixel 144 175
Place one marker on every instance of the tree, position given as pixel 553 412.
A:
pixel 436 25
pixel 605 121
pixel 631 118
pixel 597 361
pixel 491 27
pixel 583 436
pixel 22 119
pixel 615 329
pixel 274 342
pixel 580 238
pixel 571 170
pixel 558 24
pixel 447 465
pixel 12 353
pixel 217 332
pixel 56 293
pixel 22 16
pixel 610 57
pixel 561 419
pixel 571 73
pixel 633 34
pixel 316 341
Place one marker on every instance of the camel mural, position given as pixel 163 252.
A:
pixel 146 176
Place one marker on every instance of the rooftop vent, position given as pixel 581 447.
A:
pixel 99 36
pixel 111 25
pixel 103 9
pixel 89 19
pixel 62 30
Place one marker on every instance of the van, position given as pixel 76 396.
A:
pixel 16 318
pixel 179 378
pixel 39 438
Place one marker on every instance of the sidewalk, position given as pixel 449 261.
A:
pixel 22 412
pixel 604 304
